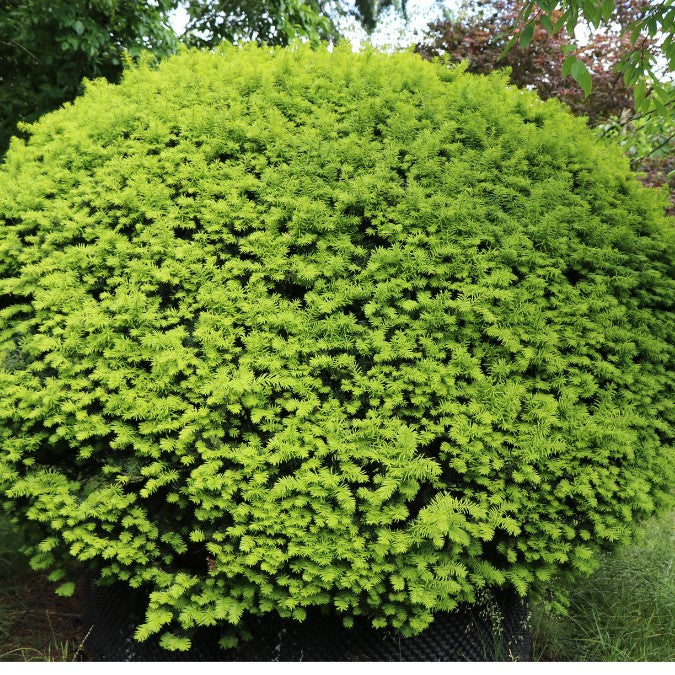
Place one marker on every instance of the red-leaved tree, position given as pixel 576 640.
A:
pixel 481 30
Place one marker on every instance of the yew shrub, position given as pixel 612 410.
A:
pixel 283 328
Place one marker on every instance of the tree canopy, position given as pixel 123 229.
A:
pixel 479 33
pixel 647 25
pixel 277 22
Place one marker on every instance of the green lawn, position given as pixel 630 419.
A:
pixel 623 612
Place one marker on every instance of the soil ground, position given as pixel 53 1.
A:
pixel 36 624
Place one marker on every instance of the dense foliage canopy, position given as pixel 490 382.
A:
pixel 283 328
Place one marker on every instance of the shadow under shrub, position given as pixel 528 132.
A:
pixel 284 329
pixel 34 625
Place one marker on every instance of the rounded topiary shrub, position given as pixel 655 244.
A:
pixel 287 328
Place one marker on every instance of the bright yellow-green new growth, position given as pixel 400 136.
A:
pixel 284 328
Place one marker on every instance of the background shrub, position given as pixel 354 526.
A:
pixel 284 328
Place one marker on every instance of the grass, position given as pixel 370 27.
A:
pixel 624 612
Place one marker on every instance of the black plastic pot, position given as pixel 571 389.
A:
pixel 497 628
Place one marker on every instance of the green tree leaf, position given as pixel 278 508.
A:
pixel 580 73
pixel 568 63
pixel 526 35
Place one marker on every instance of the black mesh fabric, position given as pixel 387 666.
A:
pixel 497 628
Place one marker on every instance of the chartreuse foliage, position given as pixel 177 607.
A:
pixel 284 327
